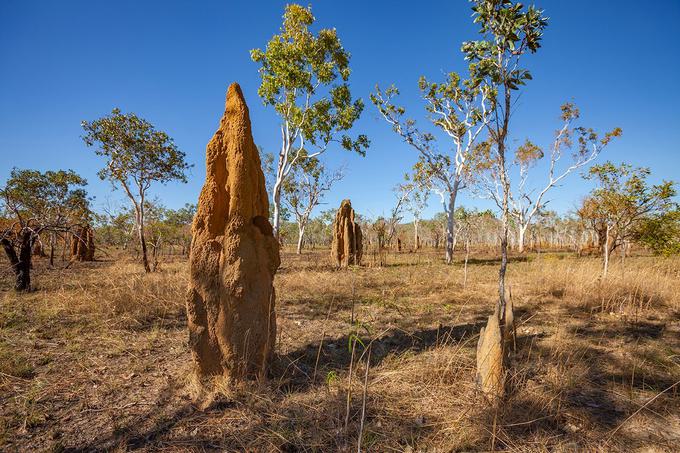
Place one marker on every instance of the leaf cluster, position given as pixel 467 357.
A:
pixel 508 31
pixel 51 199
pixel 134 150
pixel 305 78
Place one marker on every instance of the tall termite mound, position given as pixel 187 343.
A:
pixel 82 244
pixel 347 247
pixel 234 256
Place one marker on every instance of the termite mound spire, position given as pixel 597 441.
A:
pixel 234 256
pixel 347 246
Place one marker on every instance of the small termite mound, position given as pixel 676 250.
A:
pixel 490 369
pixel 82 244
pixel 347 246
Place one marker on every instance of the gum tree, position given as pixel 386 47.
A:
pixel 416 203
pixel 305 79
pixel 661 233
pixel 525 200
pixel 508 32
pixel 137 155
pixel 304 190
pixel 621 204
pixel 402 192
pixel 457 107
pixel 53 202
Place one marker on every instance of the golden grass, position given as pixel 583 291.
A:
pixel 97 358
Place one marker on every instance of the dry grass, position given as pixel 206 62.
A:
pixel 97 358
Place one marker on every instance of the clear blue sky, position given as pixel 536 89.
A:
pixel 171 62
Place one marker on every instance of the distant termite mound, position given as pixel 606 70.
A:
pixel 82 244
pixel 346 248
pixel 234 256
pixel 38 249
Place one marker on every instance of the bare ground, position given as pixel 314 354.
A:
pixel 97 359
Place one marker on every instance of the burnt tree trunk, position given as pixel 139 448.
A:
pixel 21 264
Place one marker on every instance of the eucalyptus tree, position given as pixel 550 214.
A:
pixel 416 202
pixel 460 108
pixel 51 202
pixel 468 222
pixel 525 199
pixel 622 202
pixel 116 227
pixel 661 233
pixel 402 192
pixel 509 31
pixel 305 79
pixel 178 222
pixel 137 155
pixel 436 227
pixel 304 190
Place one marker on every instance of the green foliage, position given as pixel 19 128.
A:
pixel 331 378
pixel 134 150
pixel 182 216
pixel 661 233
pixel 305 78
pixel 528 154
pixel 288 232
pixel 508 31
pixel 163 225
pixel 327 216
pixel 626 185
pixel 115 229
pixel 46 199
pixel 624 202
pixel 306 185
pixel 136 153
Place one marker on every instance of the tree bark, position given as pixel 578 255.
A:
pixel 416 239
pixel 140 235
pixel 505 183
pixel 606 253
pixel 142 242
pixel 521 231
pixel 301 233
pixel 21 264
pixel 450 225
pixel 276 215
pixel 52 241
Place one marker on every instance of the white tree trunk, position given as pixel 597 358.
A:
pixel 606 254
pixel 521 232
pixel 301 233
pixel 416 241
pixel 450 242
pixel 450 224
pixel 276 201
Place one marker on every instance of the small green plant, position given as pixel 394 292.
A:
pixel 331 378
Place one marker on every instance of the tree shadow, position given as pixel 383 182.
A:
pixel 496 260
pixel 146 427
pixel 170 413
pixel 295 370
